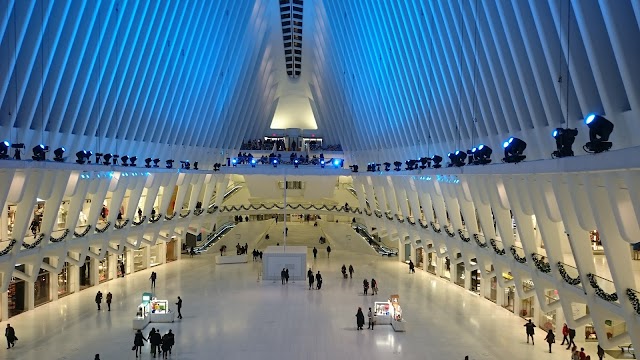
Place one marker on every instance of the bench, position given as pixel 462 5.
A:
pixel 628 348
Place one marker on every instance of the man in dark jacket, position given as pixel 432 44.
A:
pixel 572 334
pixel 179 304
pixel 10 334
pixel 99 299
pixel 318 280
pixel 156 340
pixel 530 326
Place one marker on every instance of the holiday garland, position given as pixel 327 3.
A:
pixel 59 238
pixel 83 233
pixel 424 226
pixel 514 252
pixel 412 222
pixel 34 244
pixel 635 302
pixel 462 237
pixel 140 222
pixel 121 225
pixel 156 219
pixel 436 230
pixel 450 233
pixel 185 215
pixel 169 218
pixel 495 247
pixel 9 247
pixel 542 265
pixel 601 293
pixel 212 209
pixel 106 226
pixel 476 237
pixel 568 279
pixel 198 212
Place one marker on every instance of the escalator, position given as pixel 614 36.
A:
pixel 378 246
pixel 230 192
pixel 353 192
pixel 214 237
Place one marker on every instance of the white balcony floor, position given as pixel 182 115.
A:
pixel 230 315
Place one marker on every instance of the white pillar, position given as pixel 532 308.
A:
pixel 4 306
pixel 73 278
pixel 94 274
pixel 53 279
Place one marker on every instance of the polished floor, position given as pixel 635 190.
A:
pixel 229 314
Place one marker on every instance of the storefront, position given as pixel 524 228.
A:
pixel 460 274
pixel 172 253
pixel 548 321
pixel 41 291
pixel 420 258
pixel 431 262
pixel 596 244
pixel 85 274
pixel 16 296
pixel 493 290
pixel 154 255
pixel 122 269
pixel 103 269
pixel 527 305
pixel 446 268
pixel 64 281
pixel 138 259
pixel 475 281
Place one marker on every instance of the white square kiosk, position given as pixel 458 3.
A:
pixel 275 258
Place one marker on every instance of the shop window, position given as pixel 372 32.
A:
pixel 63 281
pixel 103 269
pixel 475 281
pixel 138 259
pixel 15 297
pixel 493 293
pixel 85 274
pixel 172 254
pixel 460 274
pixel 154 256
pixel 41 293
pixel 596 244
pixel 509 298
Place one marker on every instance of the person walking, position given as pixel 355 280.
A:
pixel 371 322
pixel 530 326
pixel 551 338
pixel 156 340
pixel 572 335
pixel 109 298
pixel 286 275
pixel 374 287
pixel 365 286
pixel 311 278
pixel 359 319
pixel 328 250
pixel 315 252
pixel 153 279
pixel 351 271
pixel 179 305
pixel 565 333
pixel 122 269
pixel 412 267
pixel 600 352
pixel 170 340
pixel 343 269
pixel 282 276
pixel 138 342
pixel 318 281
pixel 10 334
pixel 99 299
pixel 97 357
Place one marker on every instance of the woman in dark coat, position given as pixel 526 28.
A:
pixel 551 338
pixel 138 342
pixel 311 279
pixel 359 319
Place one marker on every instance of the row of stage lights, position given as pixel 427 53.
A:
pixel 336 163
pixel 84 157
pixel 600 130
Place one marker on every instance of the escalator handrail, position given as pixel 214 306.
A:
pixel 379 247
pixel 211 238
pixel 230 191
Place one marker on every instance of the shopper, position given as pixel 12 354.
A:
pixel 572 335
pixel 600 352
pixel 530 326
pixel 343 269
pixel 153 279
pixel 166 347
pixel 10 334
pixel 359 319
pixel 582 354
pixel 551 338
pixel 365 286
pixel 156 340
pixel 315 252
pixel 371 322
pixel 170 340
pixel 311 278
pixel 109 298
pixel 98 299
pixel 412 267
pixel 138 342
pixel 122 269
pixel 351 271
pixel 179 305
pixel 318 281
pixel 328 250
pixel 576 354
pixel 565 333
pixel 97 357
pixel 286 275
pixel 374 287
pixel 282 276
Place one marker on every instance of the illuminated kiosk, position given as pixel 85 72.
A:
pixel 276 258
pixel 152 310
pixel 389 313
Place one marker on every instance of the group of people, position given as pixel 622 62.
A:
pixel 256 255
pixel 99 300
pixel 317 279
pixel 344 271
pixel 568 334
pixel 284 276
pixel 360 319
pixel 238 218
pixel 160 344
pixel 374 286
pixel 315 251
pixel 241 250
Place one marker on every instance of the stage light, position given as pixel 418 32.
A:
pixel 156 161
pixel 387 166
pixel 274 162
pixel 81 157
pixel 58 153
pixel 599 131
pixel 124 160
pixel 4 149
pixel 482 155
pixel 147 162
pixel 370 167
pixel 410 164
pixel 354 168
pixel 107 159
pixel 564 140
pixel 457 158
pixel 425 162
pixel 295 163
pixel 397 165
pixel 252 161
pixel 337 163
pixel 132 161
pixel 195 165
pixel 187 165
pixel 322 163
pixel 169 163
pixel 115 159
pixel 234 162
pixel 216 167
pixel 16 153
pixel 513 150
pixel 39 152
pixel 437 159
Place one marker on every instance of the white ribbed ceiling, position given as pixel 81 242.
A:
pixel 187 78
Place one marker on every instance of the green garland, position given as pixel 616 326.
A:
pixel 633 298
pixel 462 237
pixel 436 230
pixel 514 252
pixel 106 226
pixel 185 215
pixel 34 244
pixel 198 212
pixel 157 218
pixel 142 219
pixel 568 279
pixel 83 233
pixel 543 266
pixel 121 225
pixel 598 290
pixel 9 247
pixel 450 233
pixel 476 237
pixel 495 247
pixel 59 238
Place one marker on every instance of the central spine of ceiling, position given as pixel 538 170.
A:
pixel 291 18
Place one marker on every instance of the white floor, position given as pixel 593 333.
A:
pixel 228 314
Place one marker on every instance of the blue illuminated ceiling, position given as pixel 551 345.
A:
pixel 411 77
